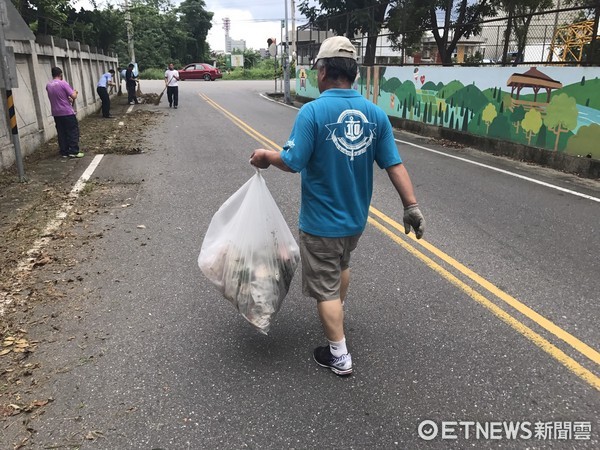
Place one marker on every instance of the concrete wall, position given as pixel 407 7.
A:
pixel 33 61
pixel 551 112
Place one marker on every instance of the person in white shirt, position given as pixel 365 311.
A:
pixel 171 79
pixel 102 89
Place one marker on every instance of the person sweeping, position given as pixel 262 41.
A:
pixel 130 84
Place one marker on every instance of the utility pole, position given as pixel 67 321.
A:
pixel 286 62
pixel 293 3
pixel 6 78
pixel 129 26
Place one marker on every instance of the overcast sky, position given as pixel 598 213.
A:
pixel 251 20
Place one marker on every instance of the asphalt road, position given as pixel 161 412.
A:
pixel 493 319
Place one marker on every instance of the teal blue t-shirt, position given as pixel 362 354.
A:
pixel 333 144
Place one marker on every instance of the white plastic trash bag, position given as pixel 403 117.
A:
pixel 249 253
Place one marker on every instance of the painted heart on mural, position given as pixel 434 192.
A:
pixel 422 79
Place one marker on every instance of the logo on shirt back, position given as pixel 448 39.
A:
pixel 352 134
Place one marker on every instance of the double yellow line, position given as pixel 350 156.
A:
pixel 395 232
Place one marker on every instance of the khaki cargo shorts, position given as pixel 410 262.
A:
pixel 323 260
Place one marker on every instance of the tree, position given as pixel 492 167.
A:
pixel 489 114
pixel 460 20
pixel 347 18
pixel 517 116
pixel 196 21
pixel 585 142
pixel 520 14
pixel 500 127
pixel 406 36
pixel 44 16
pixel 97 28
pixel 561 115
pixel 532 122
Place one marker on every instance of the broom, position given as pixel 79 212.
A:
pixel 139 90
pixel 157 102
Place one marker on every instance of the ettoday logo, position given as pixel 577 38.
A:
pixel 506 430
pixel 428 430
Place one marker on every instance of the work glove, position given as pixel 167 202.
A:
pixel 414 218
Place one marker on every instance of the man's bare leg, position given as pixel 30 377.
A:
pixel 331 314
pixel 345 281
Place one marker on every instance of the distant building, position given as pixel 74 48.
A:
pixel 232 44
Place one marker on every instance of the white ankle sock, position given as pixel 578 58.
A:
pixel 338 349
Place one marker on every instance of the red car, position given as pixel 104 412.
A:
pixel 199 71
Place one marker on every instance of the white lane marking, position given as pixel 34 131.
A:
pixel 506 172
pixel 266 97
pixel 26 264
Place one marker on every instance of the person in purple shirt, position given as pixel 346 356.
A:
pixel 62 96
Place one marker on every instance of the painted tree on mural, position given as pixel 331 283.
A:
pixel 517 116
pixel 531 123
pixel 586 138
pixel 488 116
pixel 469 97
pixel 561 116
pixel 500 127
pixel 406 93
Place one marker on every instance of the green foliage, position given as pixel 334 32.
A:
pixel 489 114
pixel 264 70
pixel 195 23
pixel 152 74
pixel 542 137
pixel 162 32
pixel 517 116
pixel 406 92
pixel 458 19
pixel 589 90
pixel 561 115
pixel 431 86
pixel 469 97
pixel 500 127
pixel 391 85
pixel 474 59
pixel 447 91
pixel 585 142
pixel 348 18
pixel 47 17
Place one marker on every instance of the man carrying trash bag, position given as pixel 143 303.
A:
pixel 333 144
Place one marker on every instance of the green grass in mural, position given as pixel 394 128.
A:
pixel 450 89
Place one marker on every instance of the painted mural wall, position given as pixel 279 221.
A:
pixel 555 108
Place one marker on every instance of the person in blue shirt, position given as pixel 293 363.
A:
pixel 334 143
pixel 105 81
